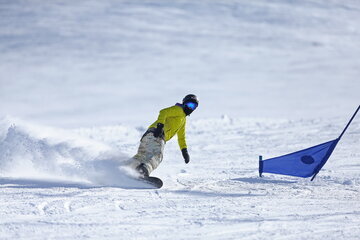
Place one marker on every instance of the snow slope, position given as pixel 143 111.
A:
pixel 88 77
pixel 217 196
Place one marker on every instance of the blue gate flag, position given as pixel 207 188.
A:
pixel 304 163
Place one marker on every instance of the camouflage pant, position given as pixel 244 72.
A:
pixel 150 152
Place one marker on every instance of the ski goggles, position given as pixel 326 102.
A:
pixel 191 105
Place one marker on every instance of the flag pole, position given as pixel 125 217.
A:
pixel 349 122
pixel 325 158
pixel 260 166
pixel 334 145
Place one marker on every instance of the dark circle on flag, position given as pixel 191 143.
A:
pixel 307 159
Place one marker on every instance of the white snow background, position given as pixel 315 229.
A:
pixel 80 81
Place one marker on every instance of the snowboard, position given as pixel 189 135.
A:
pixel 152 181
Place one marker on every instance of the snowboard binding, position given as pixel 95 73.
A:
pixel 144 172
pixel 144 177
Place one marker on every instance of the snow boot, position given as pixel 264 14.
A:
pixel 142 170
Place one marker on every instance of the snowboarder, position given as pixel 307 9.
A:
pixel 170 121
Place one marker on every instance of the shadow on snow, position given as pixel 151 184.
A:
pixel 45 183
pixel 214 194
pixel 263 180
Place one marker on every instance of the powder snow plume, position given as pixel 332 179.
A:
pixel 33 152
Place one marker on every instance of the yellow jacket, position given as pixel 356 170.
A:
pixel 174 120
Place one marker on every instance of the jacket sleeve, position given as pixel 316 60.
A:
pixel 162 116
pixel 181 137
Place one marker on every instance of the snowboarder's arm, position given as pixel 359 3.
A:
pixel 162 116
pixel 182 143
pixel 181 137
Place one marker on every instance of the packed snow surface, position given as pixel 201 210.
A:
pixel 82 80
pixel 217 196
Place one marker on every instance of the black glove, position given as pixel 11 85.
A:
pixel 159 129
pixel 185 155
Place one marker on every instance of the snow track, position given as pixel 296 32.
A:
pixel 217 196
